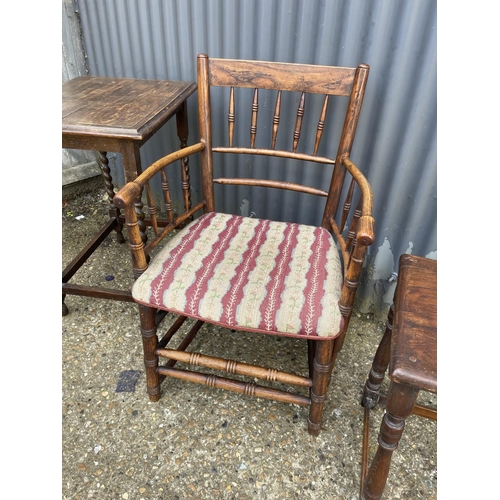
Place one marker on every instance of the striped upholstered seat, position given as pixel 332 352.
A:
pixel 252 274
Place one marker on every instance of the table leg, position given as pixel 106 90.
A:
pixel 380 363
pixel 182 133
pixel 132 167
pixel 65 309
pixel 400 401
pixel 114 212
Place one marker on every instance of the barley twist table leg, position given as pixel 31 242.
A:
pixel 114 212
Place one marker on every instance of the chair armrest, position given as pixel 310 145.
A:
pixel 366 230
pixel 366 224
pixel 132 190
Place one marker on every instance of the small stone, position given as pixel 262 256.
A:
pixel 127 380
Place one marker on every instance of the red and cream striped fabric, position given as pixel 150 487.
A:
pixel 251 274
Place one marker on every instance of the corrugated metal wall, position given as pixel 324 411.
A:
pixel 77 165
pixel 395 144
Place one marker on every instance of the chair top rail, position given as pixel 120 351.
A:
pixel 331 80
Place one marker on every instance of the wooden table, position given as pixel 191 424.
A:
pixel 409 347
pixel 119 115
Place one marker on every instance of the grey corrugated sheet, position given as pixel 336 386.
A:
pixel 396 140
pixel 77 165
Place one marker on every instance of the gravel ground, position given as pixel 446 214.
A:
pixel 201 443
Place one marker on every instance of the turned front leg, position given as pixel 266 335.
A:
pixel 322 367
pixel 149 343
pixel 400 403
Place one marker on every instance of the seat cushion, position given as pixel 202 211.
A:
pixel 248 274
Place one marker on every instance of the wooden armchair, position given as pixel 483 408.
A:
pixel 244 273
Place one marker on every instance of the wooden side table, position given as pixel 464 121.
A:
pixel 409 347
pixel 120 115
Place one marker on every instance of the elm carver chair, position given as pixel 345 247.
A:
pixel 245 273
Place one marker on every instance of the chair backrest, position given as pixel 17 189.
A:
pixel 280 77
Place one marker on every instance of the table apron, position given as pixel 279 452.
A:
pixel 108 144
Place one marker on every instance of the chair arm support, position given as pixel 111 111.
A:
pixel 129 193
pixel 366 224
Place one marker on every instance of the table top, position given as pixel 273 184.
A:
pixel 414 339
pixel 120 108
